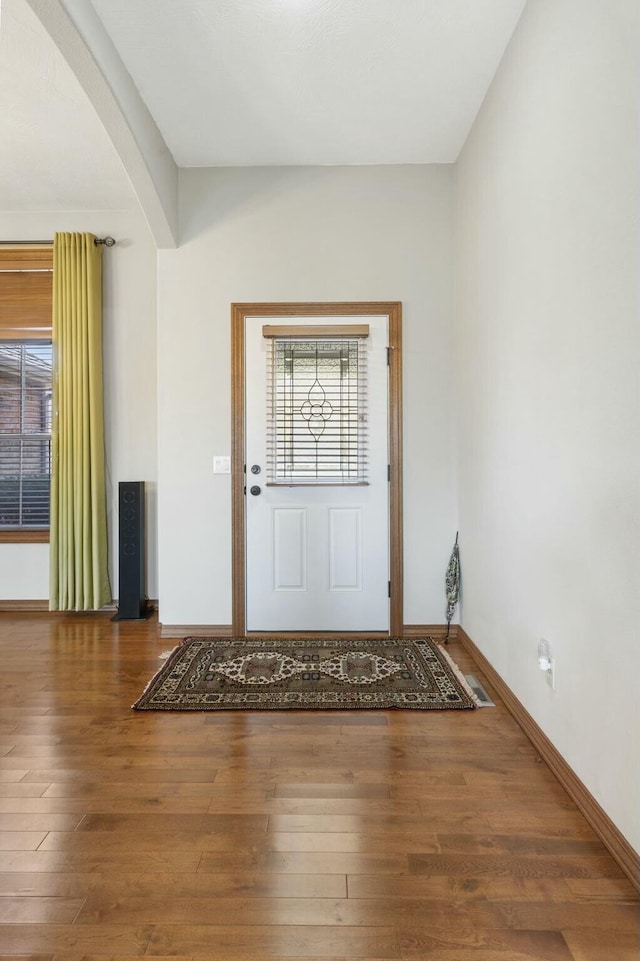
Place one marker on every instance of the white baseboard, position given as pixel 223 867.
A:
pixel 195 630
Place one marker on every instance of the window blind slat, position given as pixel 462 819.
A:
pixel 25 304
pixel 316 410
pixel 25 429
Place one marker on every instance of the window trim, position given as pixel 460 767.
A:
pixel 24 318
pixel 24 535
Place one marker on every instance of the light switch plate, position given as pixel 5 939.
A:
pixel 221 464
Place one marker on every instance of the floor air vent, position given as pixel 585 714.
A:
pixel 479 691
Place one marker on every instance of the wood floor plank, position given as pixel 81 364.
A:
pixel 113 957
pixel 102 886
pixel 561 915
pixel 74 956
pixel 257 836
pixel 397 824
pixel 102 788
pixel 17 821
pixel 39 910
pixel 69 939
pixel 483 865
pixel 145 774
pixel 104 861
pixel 306 862
pixel 20 790
pixel 522 844
pixel 25 957
pixel 284 720
pixel 176 844
pixel 312 807
pixel 21 840
pixel 598 945
pixel 119 767
pixel 609 890
pixel 433 944
pixel 459 890
pixel 115 806
pixel 137 824
pixel 51 885
pixel 42 738
pixel 258 943
pixel 351 842
pixel 328 789
pixel 11 776
pixel 270 911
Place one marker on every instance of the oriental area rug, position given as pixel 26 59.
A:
pixel 206 674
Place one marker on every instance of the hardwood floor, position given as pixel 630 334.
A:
pixel 247 836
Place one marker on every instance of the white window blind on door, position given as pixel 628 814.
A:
pixel 317 410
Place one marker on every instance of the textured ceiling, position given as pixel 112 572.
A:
pixel 248 82
pixel 54 153
pixel 311 81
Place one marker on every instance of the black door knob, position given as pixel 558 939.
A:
pixel 255 468
pixel 255 490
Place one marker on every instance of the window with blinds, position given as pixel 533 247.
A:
pixel 316 410
pixel 25 388
pixel 25 433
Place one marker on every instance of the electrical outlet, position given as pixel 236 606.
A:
pixel 544 655
pixel 551 673
pixel 547 663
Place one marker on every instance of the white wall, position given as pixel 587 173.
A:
pixel 130 381
pixel 548 352
pixel 299 234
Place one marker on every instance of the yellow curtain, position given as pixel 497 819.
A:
pixel 79 574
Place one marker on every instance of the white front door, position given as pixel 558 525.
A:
pixel 317 493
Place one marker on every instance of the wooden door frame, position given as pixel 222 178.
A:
pixel 392 310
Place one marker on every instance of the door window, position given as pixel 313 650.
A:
pixel 316 410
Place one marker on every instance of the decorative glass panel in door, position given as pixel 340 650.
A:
pixel 316 410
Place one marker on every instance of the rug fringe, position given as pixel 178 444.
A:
pixel 460 676
pixel 164 656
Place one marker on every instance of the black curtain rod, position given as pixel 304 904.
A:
pixel 107 241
